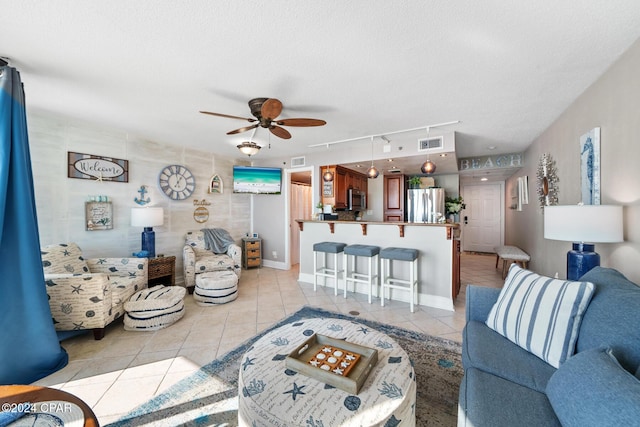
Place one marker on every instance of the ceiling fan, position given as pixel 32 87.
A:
pixel 265 111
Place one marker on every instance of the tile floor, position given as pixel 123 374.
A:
pixel 125 369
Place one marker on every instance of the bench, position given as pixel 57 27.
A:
pixel 509 255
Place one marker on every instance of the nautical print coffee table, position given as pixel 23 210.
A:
pixel 271 395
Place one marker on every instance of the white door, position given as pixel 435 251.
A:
pixel 482 219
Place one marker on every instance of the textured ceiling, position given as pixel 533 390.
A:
pixel 506 70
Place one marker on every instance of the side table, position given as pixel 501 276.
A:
pixel 251 252
pixel 46 405
pixel 162 271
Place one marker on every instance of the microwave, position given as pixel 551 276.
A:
pixel 356 200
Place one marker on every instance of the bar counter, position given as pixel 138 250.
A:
pixel 439 246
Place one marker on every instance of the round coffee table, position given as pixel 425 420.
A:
pixel 271 395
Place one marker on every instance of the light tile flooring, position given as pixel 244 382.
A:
pixel 125 369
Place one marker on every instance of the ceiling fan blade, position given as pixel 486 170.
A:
pixel 228 116
pixel 244 129
pixel 271 108
pixel 280 132
pixel 301 122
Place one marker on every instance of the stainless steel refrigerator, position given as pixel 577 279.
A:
pixel 425 205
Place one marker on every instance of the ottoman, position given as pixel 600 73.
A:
pixel 216 287
pixel 154 308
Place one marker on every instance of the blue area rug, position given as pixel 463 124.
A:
pixel 209 397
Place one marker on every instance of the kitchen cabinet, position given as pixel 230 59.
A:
pixel 335 193
pixel 340 188
pixel 394 190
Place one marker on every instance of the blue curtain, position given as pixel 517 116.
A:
pixel 29 347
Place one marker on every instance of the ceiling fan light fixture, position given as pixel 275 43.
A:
pixel 249 148
pixel 428 167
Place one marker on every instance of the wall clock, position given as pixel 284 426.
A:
pixel 547 181
pixel 176 182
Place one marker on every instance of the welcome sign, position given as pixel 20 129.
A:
pixel 89 166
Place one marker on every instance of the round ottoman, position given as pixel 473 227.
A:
pixel 216 287
pixel 154 308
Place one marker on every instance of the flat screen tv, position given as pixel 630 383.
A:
pixel 256 180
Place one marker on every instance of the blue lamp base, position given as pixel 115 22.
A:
pixel 580 260
pixel 149 241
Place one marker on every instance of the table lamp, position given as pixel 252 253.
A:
pixel 147 218
pixel 581 224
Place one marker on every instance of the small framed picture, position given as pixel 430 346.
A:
pixel 98 216
pixel 254 235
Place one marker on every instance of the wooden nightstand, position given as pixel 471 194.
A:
pixel 162 271
pixel 251 252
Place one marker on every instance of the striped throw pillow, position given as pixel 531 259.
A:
pixel 540 314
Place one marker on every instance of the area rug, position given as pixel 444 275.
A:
pixel 209 397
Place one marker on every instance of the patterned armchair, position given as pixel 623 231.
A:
pixel 89 294
pixel 197 259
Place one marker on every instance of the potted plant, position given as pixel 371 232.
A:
pixel 453 206
pixel 414 182
pixel 319 207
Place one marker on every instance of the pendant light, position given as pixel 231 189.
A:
pixel 428 167
pixel 327 176
pixel 372 173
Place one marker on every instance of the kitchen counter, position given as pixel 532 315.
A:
pixel 439 246
pixel 453 229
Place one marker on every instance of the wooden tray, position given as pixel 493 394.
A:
pixel 298 360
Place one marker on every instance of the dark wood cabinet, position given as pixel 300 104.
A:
pixel 455 274
pixel 343 180
pixel 340 187
pixel 394 189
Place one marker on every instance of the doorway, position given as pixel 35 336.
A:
pixel 482 220
pixel 300 207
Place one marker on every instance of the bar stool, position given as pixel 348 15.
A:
pixel 353 252
pixel 387 255
pixel 324 271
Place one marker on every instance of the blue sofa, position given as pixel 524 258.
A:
pixel 505 385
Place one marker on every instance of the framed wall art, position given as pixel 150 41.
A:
pixel 98 216
pixel 547 181
pixel 99 168
pixel 216 185
pixel 590 167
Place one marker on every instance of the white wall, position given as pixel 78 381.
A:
pixel 60 200
pixel 613 104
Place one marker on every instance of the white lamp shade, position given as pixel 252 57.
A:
pixel 587 223
pixel 147 217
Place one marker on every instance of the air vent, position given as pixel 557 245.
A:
pixel 430 143
pixel 394 171
pixel 297 162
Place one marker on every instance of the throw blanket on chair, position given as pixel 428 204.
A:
pixel 217 240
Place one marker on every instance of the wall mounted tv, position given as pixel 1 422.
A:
pixel 256 180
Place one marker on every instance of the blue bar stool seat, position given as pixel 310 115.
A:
pixel 353 252
pixel 387 255
pixel 325 271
